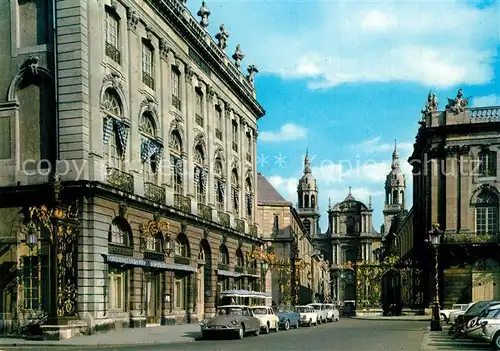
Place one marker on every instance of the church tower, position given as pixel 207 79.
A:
pixel 395 192
pixel 307 191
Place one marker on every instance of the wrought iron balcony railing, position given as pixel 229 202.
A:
pixel 205 212
pixel 148 80
pixel 154 192
pixel 239 269
pixel 120 180
pixel 223 267
pixel 240 225
pixel 113 52
pixel 199 120
pixel 122 250
pixel 182 203
pixel 182 260
pixel 218 134
pixel 154 255
pixel 176 102
pixel 224 219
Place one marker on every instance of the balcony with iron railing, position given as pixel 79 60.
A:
pixel 154 255
pixel 113 52
pixel 148 80
pixel 218 134
pixel 176 102
pixel 182 260
pixel 205 212
pixel 199 120
pixel 239 269
pixel 182 203
pixel 120 180
pixel 223 266
pixel 154 193
pixel 118 249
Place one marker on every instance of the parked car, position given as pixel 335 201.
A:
pixel 454 314
pixel 333 312
pixel 320 309
pixel 473 311
pixel 268 320
pixel 491 333
pixel 235 319
pixel 445 313
pixel 473 329
pixel 307 315
pixel 288 317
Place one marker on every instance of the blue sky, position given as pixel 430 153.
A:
pixel 346 78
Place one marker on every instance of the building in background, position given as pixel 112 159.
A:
pixel 298 272
pixel 307 205
pixel 131 200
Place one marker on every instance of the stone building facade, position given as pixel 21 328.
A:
pixel 455 186
pixel 296 256
pixel 307 205
pixel 140 121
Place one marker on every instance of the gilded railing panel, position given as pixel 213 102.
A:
pixel 205 212
pixel 154 192
pixel 120 180
pixel 182 203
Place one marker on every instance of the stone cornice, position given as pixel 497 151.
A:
pixel 173 13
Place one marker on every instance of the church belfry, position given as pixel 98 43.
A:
pixel 307 191
pixel 395 191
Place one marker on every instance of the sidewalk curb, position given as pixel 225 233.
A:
pixel 405 319
pixel 101 345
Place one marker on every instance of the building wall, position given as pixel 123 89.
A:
pixel 447 183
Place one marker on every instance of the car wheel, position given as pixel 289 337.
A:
pixel 443 317
pixel 257 332
pixel 266 328
pixel 337 319
pixel 277 327
pixel 495 343
pixel 241 332
pixel 287 325
pixel 310 323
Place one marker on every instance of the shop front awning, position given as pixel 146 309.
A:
pixel 245 293
pixel 225 273
pixel 148 263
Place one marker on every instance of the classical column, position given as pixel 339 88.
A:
pixel 338 253
pixel 166 61
pixel 190 122
pixel 451 191
pixel 210 126
pixel 228 125
pixel 241 156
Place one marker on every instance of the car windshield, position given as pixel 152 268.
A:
pixel 302 309
pixel 285 309
pixel 475 309
pixel 259 311
pixel 491 313
pixel 229 311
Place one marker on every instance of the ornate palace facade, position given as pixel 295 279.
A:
pixel 140 121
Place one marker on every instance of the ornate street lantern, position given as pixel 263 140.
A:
pixel 31 235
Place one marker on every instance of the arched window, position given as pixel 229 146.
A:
pixel 307 225
pixel 219 186
pixel 235 191
pixel 313 201
pixel 224 255
pixel 487 213
pixel 150 148
pixel 182 246
pixel 240 259
pixel 115 132
pixel 120 232
pixel 176 162
pixel 402 194
pixel 395 197
pixel 306 201
pixel 200 176
pixel 248 198
pixel 350 224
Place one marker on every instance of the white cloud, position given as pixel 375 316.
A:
pixel 374 145
pixel 488 100
pixel 287 132
pixel 433 43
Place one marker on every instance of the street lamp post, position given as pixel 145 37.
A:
pixel 435 240
pixel 264 266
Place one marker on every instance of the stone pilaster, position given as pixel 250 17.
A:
pixel 166 61
pixel 228 118
pixel 136 302
pixel 451 192
pixel 190 122
pixel 210 128
pixel 466 211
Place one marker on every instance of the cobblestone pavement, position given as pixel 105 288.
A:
pixel 346 335
pixel 444 341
